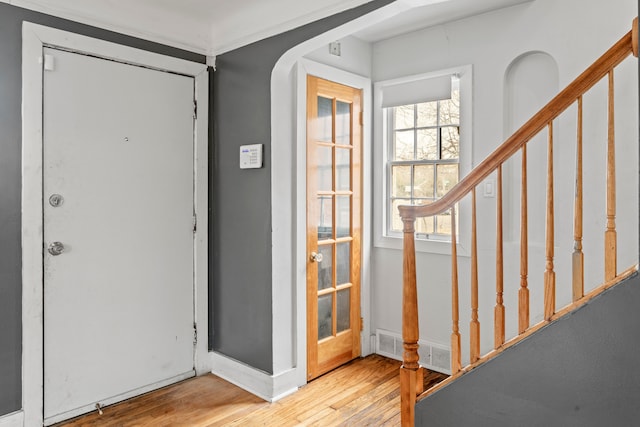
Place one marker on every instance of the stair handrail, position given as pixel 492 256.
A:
pixel 626 46
pixel 411 373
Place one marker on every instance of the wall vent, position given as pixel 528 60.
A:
pixel 433 356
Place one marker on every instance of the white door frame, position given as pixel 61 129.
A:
pixel 35 38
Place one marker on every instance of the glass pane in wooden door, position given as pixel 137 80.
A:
pixel 324 122
pixel 325 316
pixel 343 169
pixel 325 267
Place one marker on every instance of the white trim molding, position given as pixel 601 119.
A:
pixel 14 419
pixel 35 38
pixel 268 387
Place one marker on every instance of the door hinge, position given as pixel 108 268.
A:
pixel 195 223
pixel 195 109
pixel 48 62
pixel 195 333
pixel 361 119
pixel 361 324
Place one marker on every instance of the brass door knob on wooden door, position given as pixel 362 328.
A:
pixel 316 257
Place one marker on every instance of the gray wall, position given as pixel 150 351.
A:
pixel 11 19
pixel 579 372
pixel 240 241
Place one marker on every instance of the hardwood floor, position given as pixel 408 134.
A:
pixel 364 392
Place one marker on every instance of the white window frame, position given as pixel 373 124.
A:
pixel 382 237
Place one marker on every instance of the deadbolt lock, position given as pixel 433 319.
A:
pixel 55 248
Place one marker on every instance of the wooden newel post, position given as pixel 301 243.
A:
pixel 411 381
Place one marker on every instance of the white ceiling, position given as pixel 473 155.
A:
pixel 429 15
pixel 215 26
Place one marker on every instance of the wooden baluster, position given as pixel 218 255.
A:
pixel 610 235
pixel 499 308
pixel 456 362
pixel 549 274
pixel 523 294
pixel 411 382
pixel 474 324
pixel 578 255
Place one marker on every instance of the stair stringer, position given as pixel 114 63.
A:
pixel 581 370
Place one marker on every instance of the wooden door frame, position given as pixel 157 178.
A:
pixel 34 39
pixel 305 67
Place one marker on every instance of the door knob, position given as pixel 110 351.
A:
pixel 55 248
pixel 316 257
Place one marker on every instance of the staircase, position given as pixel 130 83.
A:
pixel 570 100
pixel 579 372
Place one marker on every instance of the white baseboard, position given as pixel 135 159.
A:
pixel 268 387
pixel 15 419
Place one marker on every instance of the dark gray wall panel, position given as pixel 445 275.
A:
pixel 240 244
pixel 581 371
pixel 11 19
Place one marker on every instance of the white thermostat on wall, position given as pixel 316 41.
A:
pixel 251 156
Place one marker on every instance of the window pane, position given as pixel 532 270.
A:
pixel 423 181
pixel 403 117
pixel 343 169
pixel 325 217
pixel 396 222
pixel 450 142
pixel 403 145
pixel 450 112
pixel 343 216
pixel 447 178
pixel 424 224
pixel 325 316
pixel 325 163
pixel 427 144
pixel 343 263
pixel 343 123
pixel 324 122
pixel 325 270
pixel 428 114
pixel 443 223
pixel 401 181
pixel 344 310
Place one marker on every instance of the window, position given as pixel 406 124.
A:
pixel 422 134
pixel 423 143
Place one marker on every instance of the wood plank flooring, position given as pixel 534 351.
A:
pixel 364 392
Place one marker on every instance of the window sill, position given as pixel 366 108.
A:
pixel 440 247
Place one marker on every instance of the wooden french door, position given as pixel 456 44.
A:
pixel 334 210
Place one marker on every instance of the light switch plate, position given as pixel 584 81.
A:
pixel 489 188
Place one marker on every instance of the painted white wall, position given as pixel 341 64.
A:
pixel 573 36
pixel 356 56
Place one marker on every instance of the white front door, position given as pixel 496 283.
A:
pixel 118 184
